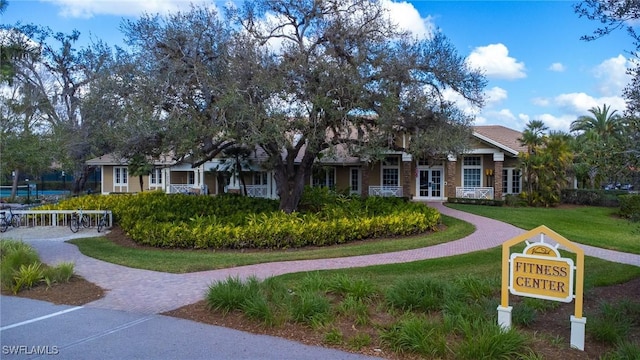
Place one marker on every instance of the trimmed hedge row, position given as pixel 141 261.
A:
pixel 235 222
pixel 488 202
pixel 592 197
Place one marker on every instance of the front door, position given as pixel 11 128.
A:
pixel 430 183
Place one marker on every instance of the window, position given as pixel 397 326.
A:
pixel 511 181
pixel 391 171
pixel 260 178
pixel 354 182
pixel 191 178
pixel 324 177
pixel 472 171
pixel 120 176
pixel 156 177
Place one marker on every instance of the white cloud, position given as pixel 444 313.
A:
pixel 407 17
pixel 90 8
pixel 495 95
pixel 612 75
pixel 557 67
pixel 540 101
pixel 553 122
pixel 495 61
pixel 504 117
pixel 580 103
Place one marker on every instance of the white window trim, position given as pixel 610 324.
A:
pixel 329 174
pixel 121 177
pixel 465 167
pixel 510 181
pixel 383 167
pixel 155 177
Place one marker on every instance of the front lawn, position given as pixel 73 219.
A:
pixel 589 225
pixel 183 261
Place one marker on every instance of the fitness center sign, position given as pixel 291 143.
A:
pixel 540 272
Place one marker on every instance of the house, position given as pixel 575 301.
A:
pixel 489 170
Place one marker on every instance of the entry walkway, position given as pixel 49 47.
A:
pixel 151 292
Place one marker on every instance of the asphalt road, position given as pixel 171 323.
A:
pixel 32 329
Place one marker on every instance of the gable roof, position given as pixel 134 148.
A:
pixel 501 137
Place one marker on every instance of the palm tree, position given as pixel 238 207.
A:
pixel 533 135
pixel 601 136
pixel 533 138
pixel 139 166
pixel 603 123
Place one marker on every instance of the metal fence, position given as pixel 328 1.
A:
pixel 32 218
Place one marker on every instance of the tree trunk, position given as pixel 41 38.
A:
pixel 290 181
pixel 141 182
pixel 290 191
pixel 14 184
pixel 80 179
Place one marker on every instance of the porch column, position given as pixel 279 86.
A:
pixel 498 162
pixel 450 177
pixel 407 175
pixel 234 185
pixel 365 180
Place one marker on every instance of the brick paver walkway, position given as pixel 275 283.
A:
pixel 153 292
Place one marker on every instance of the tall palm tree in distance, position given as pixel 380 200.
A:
pixel 600 137
pixel 604 122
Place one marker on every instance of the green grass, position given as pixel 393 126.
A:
pixel 183 261
pixel 482 264
pixel 589 225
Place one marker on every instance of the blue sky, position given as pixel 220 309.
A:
pixel 536 65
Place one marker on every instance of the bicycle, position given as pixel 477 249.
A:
pixel 102 221
pixel 77 219
pixel 4 224
pixel 14 219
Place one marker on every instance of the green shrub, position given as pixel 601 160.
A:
pixel 614 322
pixel 359 341
pixel 355 309
pixel 359 288
pixel 630 206
pixel 310 308
pixel 257 307
pixel 476 288
pixel 13 256
pixel 524 314
pixel 333 337
pixel 235 222
pixel 457 313
pixel 592 197
pixel 487 340
pixel 417 293
pixel 416 335
pixel 231 294
pixel 487 202
pixel 624 350
pixel 61 273
pixel 27 277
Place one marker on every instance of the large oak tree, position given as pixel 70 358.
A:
pixel 295 80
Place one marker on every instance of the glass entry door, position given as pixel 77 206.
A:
pixel 430 183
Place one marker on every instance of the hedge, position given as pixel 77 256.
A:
pixel 488 202
pixel 630 206
pixel 592 197
pixel 236 222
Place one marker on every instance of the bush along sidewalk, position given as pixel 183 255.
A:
pixel 235 222
pixel 21 268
